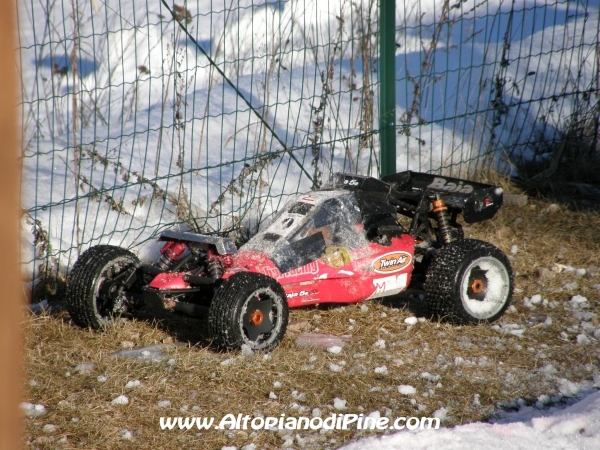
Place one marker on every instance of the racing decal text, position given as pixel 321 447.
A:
pixel 444 185
pixel 296 294
pixel 309 269
pixel 392 262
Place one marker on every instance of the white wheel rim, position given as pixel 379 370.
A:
pixel 276 318
pixel 496 292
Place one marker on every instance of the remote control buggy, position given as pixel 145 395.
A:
pixel 354 239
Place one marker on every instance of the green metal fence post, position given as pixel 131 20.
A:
pixel 387 86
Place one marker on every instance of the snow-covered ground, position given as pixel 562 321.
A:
pixel 575 427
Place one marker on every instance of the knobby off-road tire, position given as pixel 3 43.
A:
pixel 248 308
pixel 88 305
pixel 468 282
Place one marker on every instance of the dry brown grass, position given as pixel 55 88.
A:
pixel 197 377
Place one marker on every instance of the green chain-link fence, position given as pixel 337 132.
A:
pixel 139 115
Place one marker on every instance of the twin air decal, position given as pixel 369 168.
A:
pixel 392 262
pixel 444 185
pixel 392 285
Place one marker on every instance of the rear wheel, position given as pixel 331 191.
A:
pixel 248 308
pixel 95 288
pixel 469 281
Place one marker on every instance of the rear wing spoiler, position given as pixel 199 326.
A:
pixel 476 201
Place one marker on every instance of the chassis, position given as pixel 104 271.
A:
pixel 343 243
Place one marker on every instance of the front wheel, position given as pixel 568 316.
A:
pixel 248 308
pixel 96 283
pixel 469 281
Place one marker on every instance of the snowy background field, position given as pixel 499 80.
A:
pixel 128 129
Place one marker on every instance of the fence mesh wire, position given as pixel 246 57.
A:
pixel 142 115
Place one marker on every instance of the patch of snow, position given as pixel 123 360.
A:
pixel 380 343
pixel 571 286
pixel 85 367
pixel 578 301
pixel 548 369
pixel 319 340
pixel 441 414
pixel 536 299
pixel 300 396
pixel 247 350
pixel 406 389
pixel 335 367
pixel 133 384
pixel 339 404
pixel 411 320
pixel 430 377
pixel 336 349
pixel 576 427
pixel 126 435
pixel 582 339
pixel 150 353
pixel 381 370
pixel 570 389
pixel 120 400
pixel 49 428
pixel 228 362
pixel 544 399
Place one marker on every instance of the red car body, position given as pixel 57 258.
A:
pixel 360 270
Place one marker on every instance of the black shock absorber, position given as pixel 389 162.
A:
pixel 440 211
pixel 213 264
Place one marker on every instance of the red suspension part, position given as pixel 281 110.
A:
pixel 170 253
